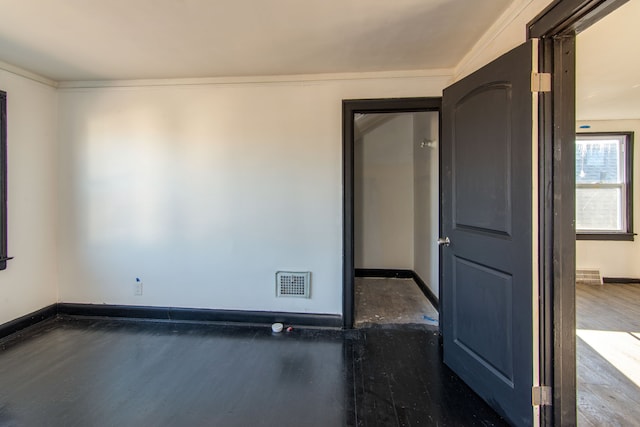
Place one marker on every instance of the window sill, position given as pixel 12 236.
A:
pixel 622 237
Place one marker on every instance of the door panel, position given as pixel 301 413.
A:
pixel 487 288
pixel 485 203
pixel 479 290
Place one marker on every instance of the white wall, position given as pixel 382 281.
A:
pixel 426 198
pixel 30 281
pixel 205 191
pixel 383 187
pixel 614 259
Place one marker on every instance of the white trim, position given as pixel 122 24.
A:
pixel 535 230
pixel 403 74
pixel 508 16
pixel 27 74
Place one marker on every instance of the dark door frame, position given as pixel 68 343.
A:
pixel 349 108
pixel 557 27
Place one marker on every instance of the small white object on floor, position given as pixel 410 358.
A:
pixel 277 327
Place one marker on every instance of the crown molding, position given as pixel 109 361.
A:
pixel 4 66
pixel 231 80
pixel 498 27
pixel 297 78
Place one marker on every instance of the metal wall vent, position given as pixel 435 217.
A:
pixel 292 284
pixel 588 277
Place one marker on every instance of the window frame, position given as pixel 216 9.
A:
pixel 3 181
pixel 628 234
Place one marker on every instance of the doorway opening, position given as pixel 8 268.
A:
pixel 556 28
pixel 380 240
pixel 608 303
pixel 396 198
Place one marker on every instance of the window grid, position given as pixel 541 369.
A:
pixel 604 186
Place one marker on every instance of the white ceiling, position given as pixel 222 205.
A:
pixel 71 40
pixel 608 67
pixel 77 40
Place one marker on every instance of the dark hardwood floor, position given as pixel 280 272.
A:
pixel 98 372
pixel 608 354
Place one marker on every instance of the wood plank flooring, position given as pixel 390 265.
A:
pixel 384 301
pixel 608 354
pixel 99 372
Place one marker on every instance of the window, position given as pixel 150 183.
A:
pixel 604 202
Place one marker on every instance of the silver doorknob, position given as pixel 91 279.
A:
pixel 444 241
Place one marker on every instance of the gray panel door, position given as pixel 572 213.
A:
pixel 487 283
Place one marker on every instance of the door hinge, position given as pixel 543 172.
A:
pixel 541 395
pixel 540 82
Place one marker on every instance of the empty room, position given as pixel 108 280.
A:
pixel 197 198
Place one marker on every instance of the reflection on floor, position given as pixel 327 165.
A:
pixel 608 354
pixel 382 301
pixel 98 372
